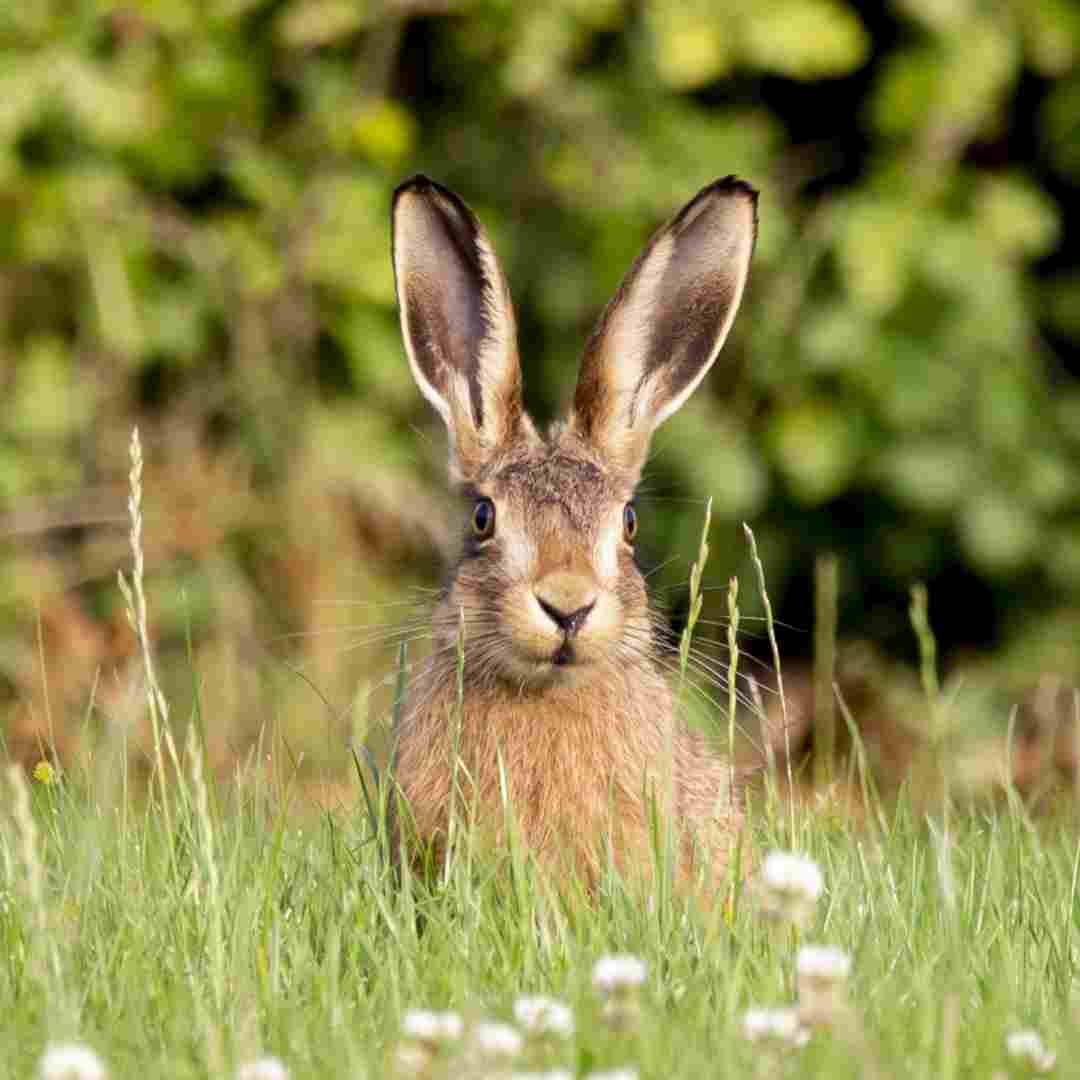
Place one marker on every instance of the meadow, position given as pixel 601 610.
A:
pixel 187 927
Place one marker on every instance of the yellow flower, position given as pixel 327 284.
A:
pixel 44 773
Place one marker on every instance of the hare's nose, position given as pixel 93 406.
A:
pixel 569 622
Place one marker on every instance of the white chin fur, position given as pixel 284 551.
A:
pixel 532 640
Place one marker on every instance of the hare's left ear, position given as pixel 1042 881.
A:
pixel 458 324
pixel 664 327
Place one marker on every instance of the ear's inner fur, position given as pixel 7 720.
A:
pixel 458 322
pixel 441 290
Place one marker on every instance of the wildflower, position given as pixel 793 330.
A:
pixel 44 773
pixel 1027 1050
pixel 411 1059
pixel 492 1040
pixel 542 1016
pixel 824 964
pixel 789 887
pixel 823 972
pixel 431 1029
pixel 778 1027
pixel 614 974
pixel 265 1068
pixel 424 1034
pixel 71 1062
pixel 553 1074
pixel 619 978
pixel 614 1074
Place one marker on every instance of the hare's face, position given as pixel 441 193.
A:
pixel 547 580
pixel 547 587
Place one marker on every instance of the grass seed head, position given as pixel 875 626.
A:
pixel 71 1062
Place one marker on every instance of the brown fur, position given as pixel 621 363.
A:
pixel 581 769
pixel 565 728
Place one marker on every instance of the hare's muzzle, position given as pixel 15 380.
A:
pixel 566 599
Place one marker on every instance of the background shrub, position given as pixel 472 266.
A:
pixel 194 235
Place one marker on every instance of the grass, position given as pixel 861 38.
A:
pixel 198 926
pixel 245 930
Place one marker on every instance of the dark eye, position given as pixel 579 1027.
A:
pixel 629 521
pixel 483 518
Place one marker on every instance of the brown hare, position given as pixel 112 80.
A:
pixel 544 674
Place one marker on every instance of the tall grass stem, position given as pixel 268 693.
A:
pixel 135 599
pixel 771 629
pixel 826 574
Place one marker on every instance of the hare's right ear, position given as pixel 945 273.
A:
pixel 664 327
pixel 458 323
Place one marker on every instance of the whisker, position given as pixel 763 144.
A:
pixel 328 631
pixel 660 566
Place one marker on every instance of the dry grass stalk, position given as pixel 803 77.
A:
pixel 135 599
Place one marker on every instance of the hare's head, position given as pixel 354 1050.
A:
pixel 547 580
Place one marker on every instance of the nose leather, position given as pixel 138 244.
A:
pixel 569 622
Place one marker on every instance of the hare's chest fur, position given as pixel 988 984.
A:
pixel 573 772
pixel 579 777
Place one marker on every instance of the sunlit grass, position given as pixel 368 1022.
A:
pixel 307 950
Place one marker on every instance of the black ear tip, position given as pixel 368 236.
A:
pixel 734 185
pixel 424 186
pixel 418 184
pixel 727 187
pixel 448 205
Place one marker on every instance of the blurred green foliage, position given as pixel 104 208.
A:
pixel 193 234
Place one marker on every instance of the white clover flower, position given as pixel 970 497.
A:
pixel 823 964
pixel 620 973
pixel 430 1028
pixel 782 1027
pixel 552 1074
pixel 491 1039
pixel 614 1074
pixel 412 1059
pixel 1027 1050
pixel 265 1068
pixel 619 978
pixel 71 1062
pixel 789 886
pixel 540 1015
pixel 787 873
pixel 823 972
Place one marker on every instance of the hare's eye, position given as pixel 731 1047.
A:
pixel 483 518
pixel 629 521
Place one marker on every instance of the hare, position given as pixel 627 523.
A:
pixel 544 684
